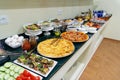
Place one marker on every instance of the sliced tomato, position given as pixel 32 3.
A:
pixel 37 78
pixel 26 73
pixel 18 78
pixel 34 77
pixel 28 78
pixel 23 77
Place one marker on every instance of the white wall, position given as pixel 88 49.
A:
pixel 20 12
pixel 18 17
pixel 113 27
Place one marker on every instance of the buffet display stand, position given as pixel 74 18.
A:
pixel 72 66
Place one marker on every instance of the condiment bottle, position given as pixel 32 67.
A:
pixel 57 32
pixel 90 13
pixel 32 41
pixel 26 45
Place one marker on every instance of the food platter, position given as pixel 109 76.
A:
pixel 32 28
pixel 55 48
pixel 11 71
pixel 36 63
pixel 75 36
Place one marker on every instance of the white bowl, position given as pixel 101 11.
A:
pixel 29 31
pixel 92 30
pixel 71 28
pixel 14 41
pixel 83 30
pixel 46 26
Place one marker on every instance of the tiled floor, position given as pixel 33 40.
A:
pixel 105 64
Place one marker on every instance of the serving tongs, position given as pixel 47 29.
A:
pixel 55 42
pixel 30 52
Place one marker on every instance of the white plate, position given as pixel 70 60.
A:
pixel 84 30
pixel 38 72
pixel 92 31
pixel 33 34
pixel 47 28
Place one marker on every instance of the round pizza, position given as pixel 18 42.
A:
pixel 55 48
pixel 75 36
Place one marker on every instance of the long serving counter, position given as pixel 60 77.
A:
pixel 82 57
pixel 67 68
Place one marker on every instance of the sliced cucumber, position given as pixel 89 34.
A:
pixel 12 73
pixel 7 71
pixel 15 65
pixel 21 70
pixel 11 78
pixel 7 76
pixel 16 75
pixel 1 78
pixel 17 68
pixel 1 72
pixel 12 67
pixel 2 68
pixel 8 64
pixel 2 75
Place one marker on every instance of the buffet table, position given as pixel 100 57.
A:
pixel 61 61
pixel 67 67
